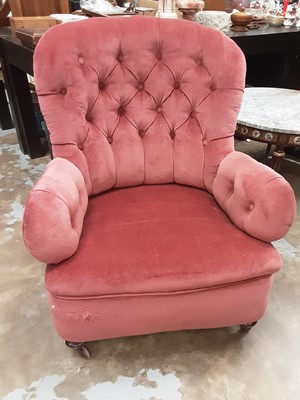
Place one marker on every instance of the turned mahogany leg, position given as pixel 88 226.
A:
pixel 269 147
pixel 277 157
pixel 248 326
pixel 80 347
pixel 189 13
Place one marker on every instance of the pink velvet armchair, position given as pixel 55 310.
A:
pixel 148 219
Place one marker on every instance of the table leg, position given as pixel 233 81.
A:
pixel 277 157
pixel 268 149
pixel 22 110
pixel 5 118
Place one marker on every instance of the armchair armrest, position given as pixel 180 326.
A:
pixel 54 212
pixel 257 199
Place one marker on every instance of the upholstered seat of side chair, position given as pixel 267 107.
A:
pixel 148 219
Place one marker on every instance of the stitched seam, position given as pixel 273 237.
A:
pixel 54 194
pixel 274 177
pixel 164 293
pixel 60 198
pixel 226 201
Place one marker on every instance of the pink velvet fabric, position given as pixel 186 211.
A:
pixel 134 101
pixel 168 90
pixel 158 239
pixel 257 199
pixel 93 318
pixel 54 212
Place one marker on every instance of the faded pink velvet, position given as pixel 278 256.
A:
pixel 141 100
pixel 258 200
pixel 158 239
pixel 93 318
pixel 54 212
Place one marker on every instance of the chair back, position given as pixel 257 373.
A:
pixel 140 100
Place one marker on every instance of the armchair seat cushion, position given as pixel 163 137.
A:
pixel 158 239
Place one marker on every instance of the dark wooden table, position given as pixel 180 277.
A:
pixel 271 115
pixel 273 59
pixel 273 56
pixel 16 62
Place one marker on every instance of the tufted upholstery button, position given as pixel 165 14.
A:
pixel 204 142
pixel 121 110
pixel 176 85
pixel 120 57
pixel 109 139
pixel 101 85
pixel 81 146
pixel 141 133
pixel 199 62
pixel 172 134
pixel 213 87
pixel 159 109
pixel 193 114
pixel 159 56
pixel 81 60
pixel 251 206
pixel 88 118
pixel 63 91
pixel 140 86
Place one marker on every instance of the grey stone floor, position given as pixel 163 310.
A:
pixel 219 364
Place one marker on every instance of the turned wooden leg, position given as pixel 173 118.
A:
pixel 189 13
pixel 269 147
pixel 277 157
pixel 80 347
pixel 248 326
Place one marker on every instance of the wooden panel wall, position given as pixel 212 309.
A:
pixel 218 5
pixel 4 11
pixel 28 8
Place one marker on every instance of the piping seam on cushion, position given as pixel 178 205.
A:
pixel 166 293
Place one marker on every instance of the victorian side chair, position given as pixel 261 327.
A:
pixel 147 218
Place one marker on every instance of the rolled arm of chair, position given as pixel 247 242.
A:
pixel 54 212
pixel 257 199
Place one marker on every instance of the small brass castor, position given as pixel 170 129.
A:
pixel 247 327
pixel 80 347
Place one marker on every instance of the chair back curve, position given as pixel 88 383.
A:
pixel 140 100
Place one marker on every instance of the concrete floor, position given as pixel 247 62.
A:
pixel 218 364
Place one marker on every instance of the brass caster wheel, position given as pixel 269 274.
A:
pixel 80 347
pixel 246 327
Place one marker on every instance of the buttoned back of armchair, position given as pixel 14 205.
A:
pixel 140 100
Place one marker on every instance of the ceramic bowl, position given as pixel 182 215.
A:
pixel 274 20
pixel 257 12
pixel 196 4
